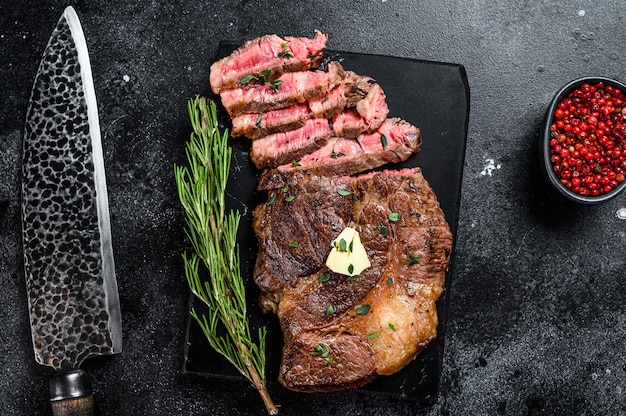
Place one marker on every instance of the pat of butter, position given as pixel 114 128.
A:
pixel 347 254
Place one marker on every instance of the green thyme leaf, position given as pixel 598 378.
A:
pixel 343 245
pixel 290 198
pixel 392 326
pixel 383 141
pixel 394 216
pixel 246 79
pixel 329 311
pixel 412 259
pixel 258 120
pixel 321 350
pixel 296 163
pixel 363 309
pixel 272 199
pixel 390 281
pixel 266 75
pixel 344 192
pixel 275 85
pixel 285 53
pixel 293 244
pixel 352 278
pixel 373 335
pixel 384 231
pixel 325 277
pixel 350 269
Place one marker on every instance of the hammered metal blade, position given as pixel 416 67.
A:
pixel 70 273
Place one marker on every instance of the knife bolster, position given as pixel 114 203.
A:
pixel 71 394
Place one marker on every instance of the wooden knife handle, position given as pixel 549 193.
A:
pixel 71 394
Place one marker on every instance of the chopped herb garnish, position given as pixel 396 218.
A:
pixel 266 75
pixel 363 309
pixel 336 155
pixel 321 350
pixel 383 141
pixel 258 120
pixel 285 189
pixel 325 277
pixel 394 216
pixel 373 335
pixel 350 268
pixel 285 52
pixel 272 199
pixel 275 85
pixel 351 246
pixel 343 245
pixel 290 198
pixel 329 311
pixel 392 326
pixel 390 281
pixel 246 79
pixel 412 259
pixel 384 231
pixel 352 278
pixel 293 244
pixel 296 163
pixel 329 360
pixel 325 100
pixel 344 192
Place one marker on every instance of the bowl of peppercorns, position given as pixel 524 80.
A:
pixel 583 146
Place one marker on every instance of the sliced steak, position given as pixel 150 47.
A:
pixel 347 157
pixel 373 108
pixel 287 147
pixel 257 125
pixel 266 58
pixel 349 124
pixel 351 90
pixel 380 320
pixel 290 88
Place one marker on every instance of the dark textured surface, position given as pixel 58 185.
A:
pixel 536 305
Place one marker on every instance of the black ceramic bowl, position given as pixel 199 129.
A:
pixel 544 143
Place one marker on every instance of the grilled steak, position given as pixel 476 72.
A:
pixel 346 157
pixel 267 58
pixel 290 88
pixel 379 321
pixel 287 147
pixel 352 89
pixel 373 108
pixel 257 125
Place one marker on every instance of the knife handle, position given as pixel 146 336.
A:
pixel 71 394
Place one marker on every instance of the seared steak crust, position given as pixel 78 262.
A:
pixel 409 262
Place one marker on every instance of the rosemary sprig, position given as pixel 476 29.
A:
pixel 212 232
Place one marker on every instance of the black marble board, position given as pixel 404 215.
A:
pixel 434 97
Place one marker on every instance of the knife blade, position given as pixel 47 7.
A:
pixel 69 268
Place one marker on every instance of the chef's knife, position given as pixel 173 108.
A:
pixel 68 259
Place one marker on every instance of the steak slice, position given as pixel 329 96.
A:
pixel 351 90
pixel 373 108
pixel 287 147
pixel 267 57
pixel 257 125
pixel 290 88
pixel 379 321
pixel 346 157
pixel 349 124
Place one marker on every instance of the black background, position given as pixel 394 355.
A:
pixel 535 308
